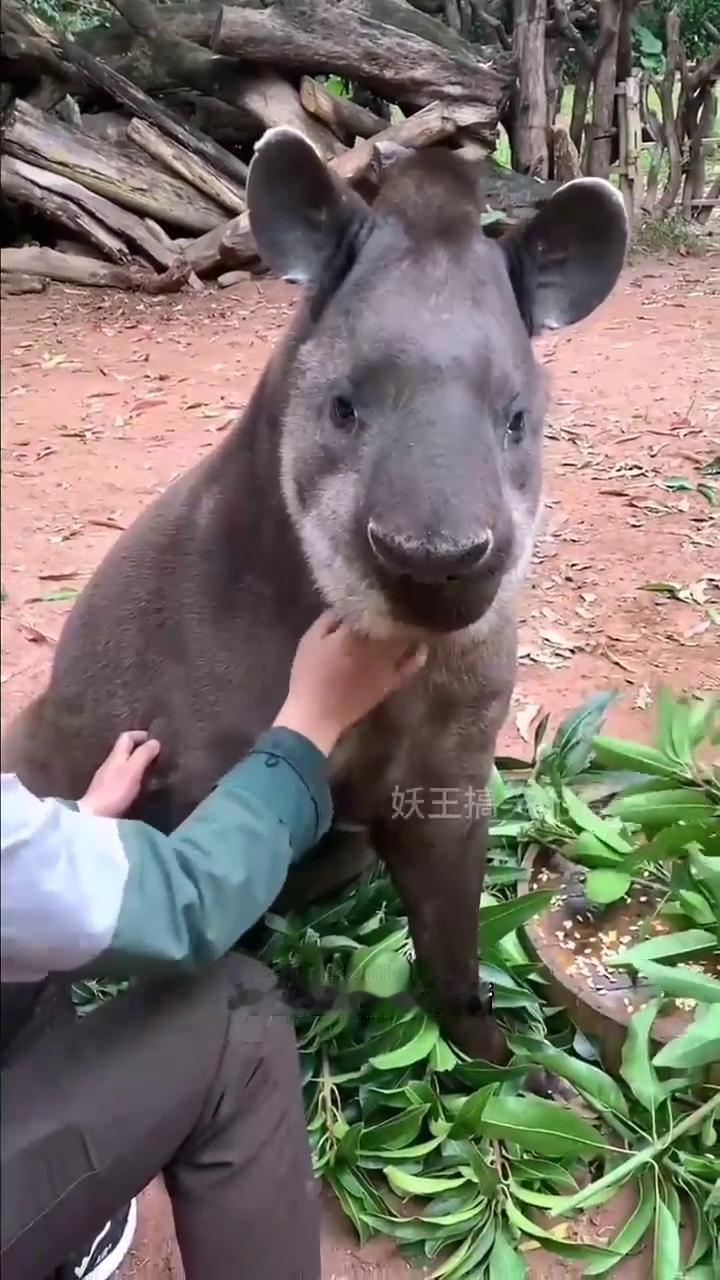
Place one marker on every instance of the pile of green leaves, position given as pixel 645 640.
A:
pixel 453 1158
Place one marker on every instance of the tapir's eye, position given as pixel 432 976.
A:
pixel 343 413
pixel 516 428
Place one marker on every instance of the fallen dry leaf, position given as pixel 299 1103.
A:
pixel 525 718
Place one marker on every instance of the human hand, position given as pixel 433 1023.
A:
pixel 118 780
pixel 339 676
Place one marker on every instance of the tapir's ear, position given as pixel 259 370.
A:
pixel 299 213
pixel 567 259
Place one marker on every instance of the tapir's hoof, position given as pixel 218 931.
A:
pixel 477 1035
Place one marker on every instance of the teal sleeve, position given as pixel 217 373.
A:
pixel 190 896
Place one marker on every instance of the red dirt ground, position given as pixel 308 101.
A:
pixel 107 397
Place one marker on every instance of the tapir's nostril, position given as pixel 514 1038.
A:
pixel 428 562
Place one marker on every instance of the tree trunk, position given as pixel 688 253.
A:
pixel 68 268
pixel 529 141
pixel 311 35
pixel 346 119
pixel 623 68
pixel 580 105
pixel 185 165
pixel 665 93
pixel 555 57
pixel 16 185
pixel 600 133
pixel 702 213
pixel 123 175
pixel 124 224
pixel 566 160
pixel 704 109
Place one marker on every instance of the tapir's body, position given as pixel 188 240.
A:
pixel 190 624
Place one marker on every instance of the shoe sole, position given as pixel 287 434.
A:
pixel 110 1264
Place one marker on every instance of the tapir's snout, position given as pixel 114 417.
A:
pixel 436 562
pixel 440 583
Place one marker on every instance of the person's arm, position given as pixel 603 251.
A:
pixel 83 892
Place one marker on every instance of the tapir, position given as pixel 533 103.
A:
pixel 388 465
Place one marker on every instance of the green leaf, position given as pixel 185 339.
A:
pixel 364 956
pixel 664 946
pixel 687 984
pixel 707 870
pixel 591 852
pixel 584 818
pixel 442 1057
pixel 616 753
pixel 535 1124
pixel 416 1050
pixel 603 885
pixel 702 1239
pixel 697 1047
pixel 590 1080
pixel 467 1121
pixel 549 1171
pixel 697 908
pixel 636 1068
pixel 467 1258
pixel 564 1248
pixel 408 1184
pixel 676 839
pixel 573 743
pixel 502 918
pixel 62 593
pixel 633 1231
pixel 398 1132
pixel 498 790
pixel 386 975
pixel 505 1261
pixel 666 1249
pixel 661 808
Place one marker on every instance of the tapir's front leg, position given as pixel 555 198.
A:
pixel 436 858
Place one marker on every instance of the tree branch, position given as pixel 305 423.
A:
pixel 566 27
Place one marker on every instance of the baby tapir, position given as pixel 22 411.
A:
pixel 389 464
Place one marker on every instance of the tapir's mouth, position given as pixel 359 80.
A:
pixel 439 607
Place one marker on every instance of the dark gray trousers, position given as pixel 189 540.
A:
pixel 197 1078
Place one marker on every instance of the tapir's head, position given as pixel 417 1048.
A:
pixel 412 420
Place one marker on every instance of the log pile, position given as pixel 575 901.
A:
pixel 131 142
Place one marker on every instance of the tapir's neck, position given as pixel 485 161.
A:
pixel 247 515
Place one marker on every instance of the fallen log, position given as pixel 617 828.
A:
pixel 232 244
pixel 228 246
pixel 122 174
pixel 11 285
pixel 187 166
pixel 125 224
pixel 123 90
pixel 275 103
pixel 311 35
pixel 346 119
pixel 270 99
pixel 435 123
pixel 17 186
pixel 68 268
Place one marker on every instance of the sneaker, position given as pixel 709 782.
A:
pixel 110 1246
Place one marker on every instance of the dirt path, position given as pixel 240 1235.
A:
pixel 108 397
